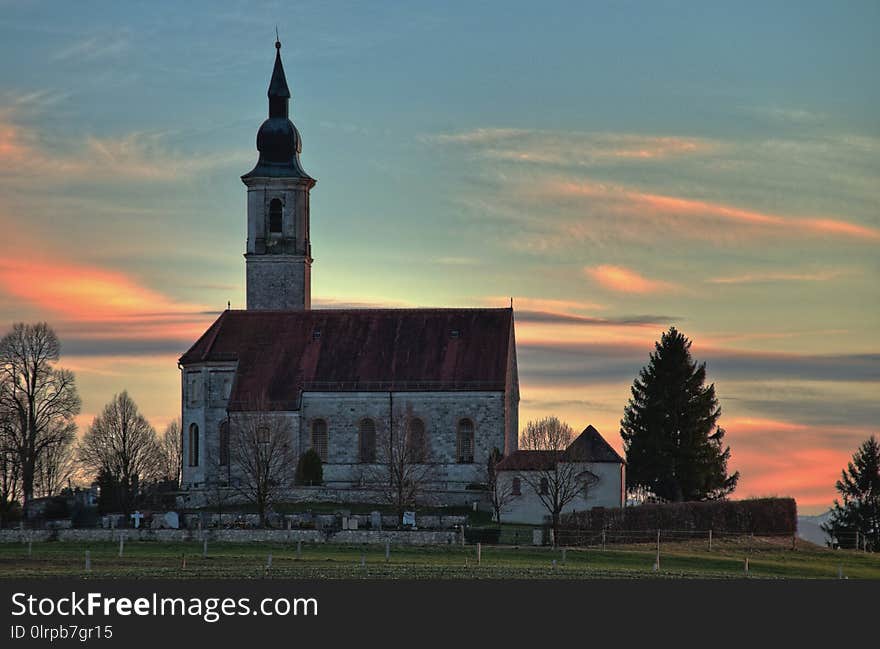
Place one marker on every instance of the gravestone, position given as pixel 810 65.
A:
pixel 409 518
pixel 352 523
pixel 136 517
pixel 537 536
pixel 376 520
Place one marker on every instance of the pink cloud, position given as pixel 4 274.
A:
pixel 640 203
pixel 93 303
pixel 625 280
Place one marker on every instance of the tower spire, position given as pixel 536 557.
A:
pixel 279 93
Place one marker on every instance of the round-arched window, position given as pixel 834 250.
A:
pixel 275 220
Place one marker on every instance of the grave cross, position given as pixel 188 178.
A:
pixel 136 517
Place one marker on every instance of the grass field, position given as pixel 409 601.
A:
pixel 767 559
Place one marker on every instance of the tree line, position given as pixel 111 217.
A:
pixel 40 454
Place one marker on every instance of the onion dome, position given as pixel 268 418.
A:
pixel 278 140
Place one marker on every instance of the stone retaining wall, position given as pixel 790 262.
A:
pixel 396 537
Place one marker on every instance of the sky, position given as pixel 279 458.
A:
pixel 615 167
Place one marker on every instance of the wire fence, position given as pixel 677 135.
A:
pixel 605 539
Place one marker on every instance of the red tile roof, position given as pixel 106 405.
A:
pixel 282 353
pixel 589 446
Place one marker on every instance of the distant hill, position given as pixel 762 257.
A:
pixel 809 530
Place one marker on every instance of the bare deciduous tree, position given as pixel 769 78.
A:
pixel 403 464
pixel 38 401
pixel 56 468
pixel 122 445
pixel 262 458
pixel 218 485
pixel 10 470
pixel 556 481
pixel 171 452
pixel 500 492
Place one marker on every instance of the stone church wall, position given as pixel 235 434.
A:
pixel 440 411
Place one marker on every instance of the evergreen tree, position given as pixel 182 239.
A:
pixel 309 468
pixel 670 428
pixel 858 517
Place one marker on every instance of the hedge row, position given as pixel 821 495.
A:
pixel 761 516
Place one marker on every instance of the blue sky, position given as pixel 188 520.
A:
pixel 616 167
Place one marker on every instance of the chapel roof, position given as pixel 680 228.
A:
pixel 280 354
pixel 589 446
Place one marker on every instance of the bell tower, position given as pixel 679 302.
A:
pixel 279 256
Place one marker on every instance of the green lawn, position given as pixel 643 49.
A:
pixel 248 561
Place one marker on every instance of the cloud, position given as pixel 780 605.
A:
pixel 705 213
pixel 811 188
pixel 786 114
pixel 459 261
pixel 572 363
pixel 94 308
pixel 626 280
pixel 107 45
pixel 543 304
pixel 570 148
pixel 142 157
pixel 549 317
pixel 773 277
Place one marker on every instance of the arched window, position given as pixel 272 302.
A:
pixel 465 441
pixel 367 440
pixel 224 443
pixel 193 445
pixel 416 441
pixel 319 438
pixel 275 215
pixel 517 487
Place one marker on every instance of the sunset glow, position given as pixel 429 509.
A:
pixel 613 185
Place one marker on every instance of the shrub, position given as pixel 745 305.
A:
pixel 485 535
pixel 10 512
pixel 761 516
pixel 56 509
pixel 309 468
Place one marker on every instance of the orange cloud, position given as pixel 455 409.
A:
pixel 96 303
pixel 647 203
pixel 625 280
pixel 12 146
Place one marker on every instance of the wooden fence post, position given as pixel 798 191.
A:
pixel 657 564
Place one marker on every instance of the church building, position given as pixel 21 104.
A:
pixel 340 378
